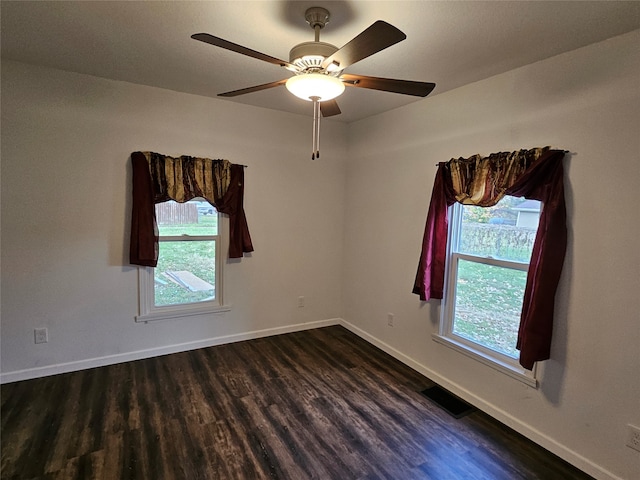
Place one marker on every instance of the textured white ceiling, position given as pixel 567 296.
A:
pixel 451 43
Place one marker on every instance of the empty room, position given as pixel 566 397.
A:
pixel 329 240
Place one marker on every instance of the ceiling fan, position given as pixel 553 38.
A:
pixel 319 68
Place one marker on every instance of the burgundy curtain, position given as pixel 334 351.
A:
pixel 158 178
pixel 542 179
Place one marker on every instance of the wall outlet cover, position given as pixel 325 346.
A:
pixel 40 335
pixel 633 438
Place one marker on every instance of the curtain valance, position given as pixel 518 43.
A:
pixel 158 178
pixel 534 174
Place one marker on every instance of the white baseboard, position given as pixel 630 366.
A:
pixel 531 433
pixel 48 370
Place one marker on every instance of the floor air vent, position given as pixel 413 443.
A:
pixel 454 406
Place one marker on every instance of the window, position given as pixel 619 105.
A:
pixel 489 253
pixel 187 279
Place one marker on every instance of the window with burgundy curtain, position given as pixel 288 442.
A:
pixel 158 178
pixel 535 174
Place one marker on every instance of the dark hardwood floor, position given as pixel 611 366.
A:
pixel 321 404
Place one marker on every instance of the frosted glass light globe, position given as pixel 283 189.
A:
pixel 309 85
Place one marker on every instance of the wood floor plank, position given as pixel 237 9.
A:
pixel 318 404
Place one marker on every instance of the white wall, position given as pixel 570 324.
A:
pixel 66 200
pixel 66 140
pixel 588 102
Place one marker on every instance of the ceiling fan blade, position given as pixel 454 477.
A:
pixel 377 37
pixel 256 88
pixel 329 108
pixel 405 87
pixel 234 47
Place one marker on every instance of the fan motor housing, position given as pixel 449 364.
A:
pixel 310 55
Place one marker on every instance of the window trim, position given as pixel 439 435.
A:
pixel 149 312
pixel 445 336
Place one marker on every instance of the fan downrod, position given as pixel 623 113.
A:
pixel 308 56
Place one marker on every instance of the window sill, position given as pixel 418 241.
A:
pixel 170 313
pixel 520 374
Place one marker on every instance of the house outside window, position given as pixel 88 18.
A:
pixel 188 277
pixel 489 249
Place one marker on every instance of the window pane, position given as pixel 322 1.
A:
pixel 488 305
pixel 185 273
pixel 195 217
pixel 506 230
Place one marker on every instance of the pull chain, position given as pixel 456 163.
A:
pixel 315 144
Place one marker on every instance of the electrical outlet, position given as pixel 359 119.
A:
pixel 40 335
pixel 633 439
pixel 300 302
pixel 390 318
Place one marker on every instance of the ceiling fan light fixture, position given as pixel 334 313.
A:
pixel 318 67
pixel 315 85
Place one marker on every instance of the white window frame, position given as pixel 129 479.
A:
pixel 148 311
pixel 445 335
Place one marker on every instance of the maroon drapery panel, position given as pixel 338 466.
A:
pixel 543 181
pixel 151 185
